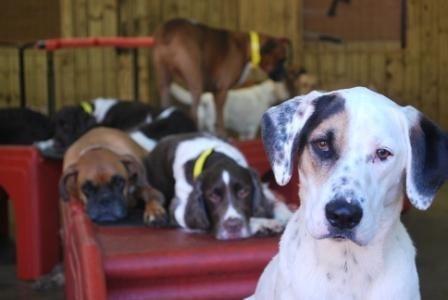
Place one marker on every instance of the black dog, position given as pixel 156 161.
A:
pixel 170 121
pixel 23 126
pixel 73 121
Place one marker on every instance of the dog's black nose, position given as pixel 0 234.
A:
pixel 343 215
pixel 233 225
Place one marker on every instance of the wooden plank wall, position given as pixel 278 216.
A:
pixel 377 65
pixel 415 75
pixel 85 74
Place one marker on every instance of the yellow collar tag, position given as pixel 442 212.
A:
pixel 200 162
pixel 87 107
pixel 255 56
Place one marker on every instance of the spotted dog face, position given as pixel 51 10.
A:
pixel 358 154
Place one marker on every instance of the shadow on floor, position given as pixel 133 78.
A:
pixel 429 231
pixel 13 289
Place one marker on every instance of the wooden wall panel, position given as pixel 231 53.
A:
pixel 429 57
pixel 8 57
pixel 443 63
pixel 25 20
pixel 416 75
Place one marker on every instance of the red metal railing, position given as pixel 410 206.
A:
pixel 117 42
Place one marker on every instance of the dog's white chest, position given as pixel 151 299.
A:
pixel 309 269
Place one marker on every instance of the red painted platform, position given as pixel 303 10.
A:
pixel 31 184
pixel 135 262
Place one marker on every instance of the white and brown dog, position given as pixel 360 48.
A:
pixel 359 155
pixel 208 186
pixel 243 108
pixel 212 59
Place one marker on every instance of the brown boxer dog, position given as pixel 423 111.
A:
pixel 213 60
pixel 104 169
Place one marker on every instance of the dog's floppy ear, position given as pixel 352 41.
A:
pixel 427 162
pixel 136 171
pixel 67 183
pixel 196 216
pixel 281 126
pixel 260 206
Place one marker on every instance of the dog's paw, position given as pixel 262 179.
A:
pixel 265 227
pixel 155 215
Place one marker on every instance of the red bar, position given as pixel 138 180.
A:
pixel 119 42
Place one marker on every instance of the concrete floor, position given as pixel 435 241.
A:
pixel 429 230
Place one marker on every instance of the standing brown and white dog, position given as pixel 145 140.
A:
pixel 104 170
pixel 213 60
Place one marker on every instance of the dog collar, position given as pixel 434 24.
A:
pixel 255 56
pixel 87 107
pixel 200 162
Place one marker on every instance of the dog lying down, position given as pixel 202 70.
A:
pixel 208 186
pixel 359 154
pixel 71 122
pixel 104 169
pixel 243 107
pixel 145 124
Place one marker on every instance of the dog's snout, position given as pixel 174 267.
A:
pixel 233 225
pixel 105 198
pixel 343 215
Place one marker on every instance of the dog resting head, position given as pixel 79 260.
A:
pixel 359 154
pixel 105 182
pixel 224 198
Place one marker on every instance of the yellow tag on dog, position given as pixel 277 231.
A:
pixel 255 56
pixel 87 107
pixel 200 162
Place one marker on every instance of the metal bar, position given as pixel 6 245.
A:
pixel 135 71
pixel 119 42
pixel 50 83
pixel 22 83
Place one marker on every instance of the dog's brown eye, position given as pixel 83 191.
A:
pixel 383 154
pixel 215 196
pixel 243 192
pixel 322 145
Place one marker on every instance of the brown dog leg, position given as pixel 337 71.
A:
pixel 194 81
pixel 220 99
pixel 163 81
pixel 155 214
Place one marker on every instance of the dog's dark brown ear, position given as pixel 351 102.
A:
pixel 67 183
pixel 427 164
pixel 136 171
pixel 261 208
pixel 196 216
pixel 281 127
